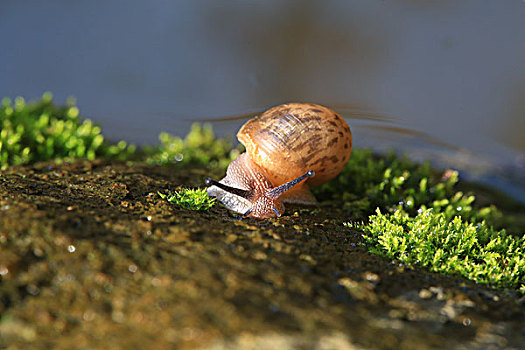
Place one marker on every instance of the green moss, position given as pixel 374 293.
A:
pixel 393 183
pixel 199 148
pixel 443 242
pixel 423 220
pixel 42 131
pixel 192 199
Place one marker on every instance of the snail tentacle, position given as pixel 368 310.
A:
pixel 276 192
pixel 236 191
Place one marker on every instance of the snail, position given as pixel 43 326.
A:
pixel 289 148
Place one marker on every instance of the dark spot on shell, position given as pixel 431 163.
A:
pixel 332 142
pixel 322 170
pixel 310 118
pixel 333 130
pixel 320 160
pixel 346 145
pixel 340 133
pixel 312 142
pixel 333 123
pixel 309 157
pixel 315 110
pixel 277 139
pixel 324 159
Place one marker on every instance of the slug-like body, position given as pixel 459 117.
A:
pixel 284 146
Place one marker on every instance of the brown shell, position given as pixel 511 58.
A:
pixel 290 139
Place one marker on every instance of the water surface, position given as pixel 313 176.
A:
pixel 453 69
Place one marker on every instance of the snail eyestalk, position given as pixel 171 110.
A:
pixel 276 192
pixel 233 190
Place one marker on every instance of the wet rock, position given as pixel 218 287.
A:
pixel 91 256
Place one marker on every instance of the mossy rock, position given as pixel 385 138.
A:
pixel 93 257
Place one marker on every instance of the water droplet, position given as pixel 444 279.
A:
pixel 32 289
pixel 118 316
pixel 189 333
pixel 466 321
pixel 274 308
pixel 71 248
pixel 38 252
pixel 3 270
pixel 132 268
pixel 179 157
pixel 459 208
pixel 88 316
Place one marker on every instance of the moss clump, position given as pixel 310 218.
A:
pixel 192 199
pixel 424 221
pixel 447 243
pixel 41 131
pixel 396 183
pixel 200 147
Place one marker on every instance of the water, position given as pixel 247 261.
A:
pixel 452 69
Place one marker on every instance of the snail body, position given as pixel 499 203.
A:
pixel 285 146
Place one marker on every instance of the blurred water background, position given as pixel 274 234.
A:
pixel 453 69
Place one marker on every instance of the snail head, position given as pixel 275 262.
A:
pixel 263 204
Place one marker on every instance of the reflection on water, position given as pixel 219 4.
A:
pixel 452 69
pixel 510 128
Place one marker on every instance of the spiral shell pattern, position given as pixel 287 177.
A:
pixel 289 139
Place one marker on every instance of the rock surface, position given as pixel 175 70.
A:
pixel 91 256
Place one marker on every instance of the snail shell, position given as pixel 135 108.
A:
pixel 284 146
